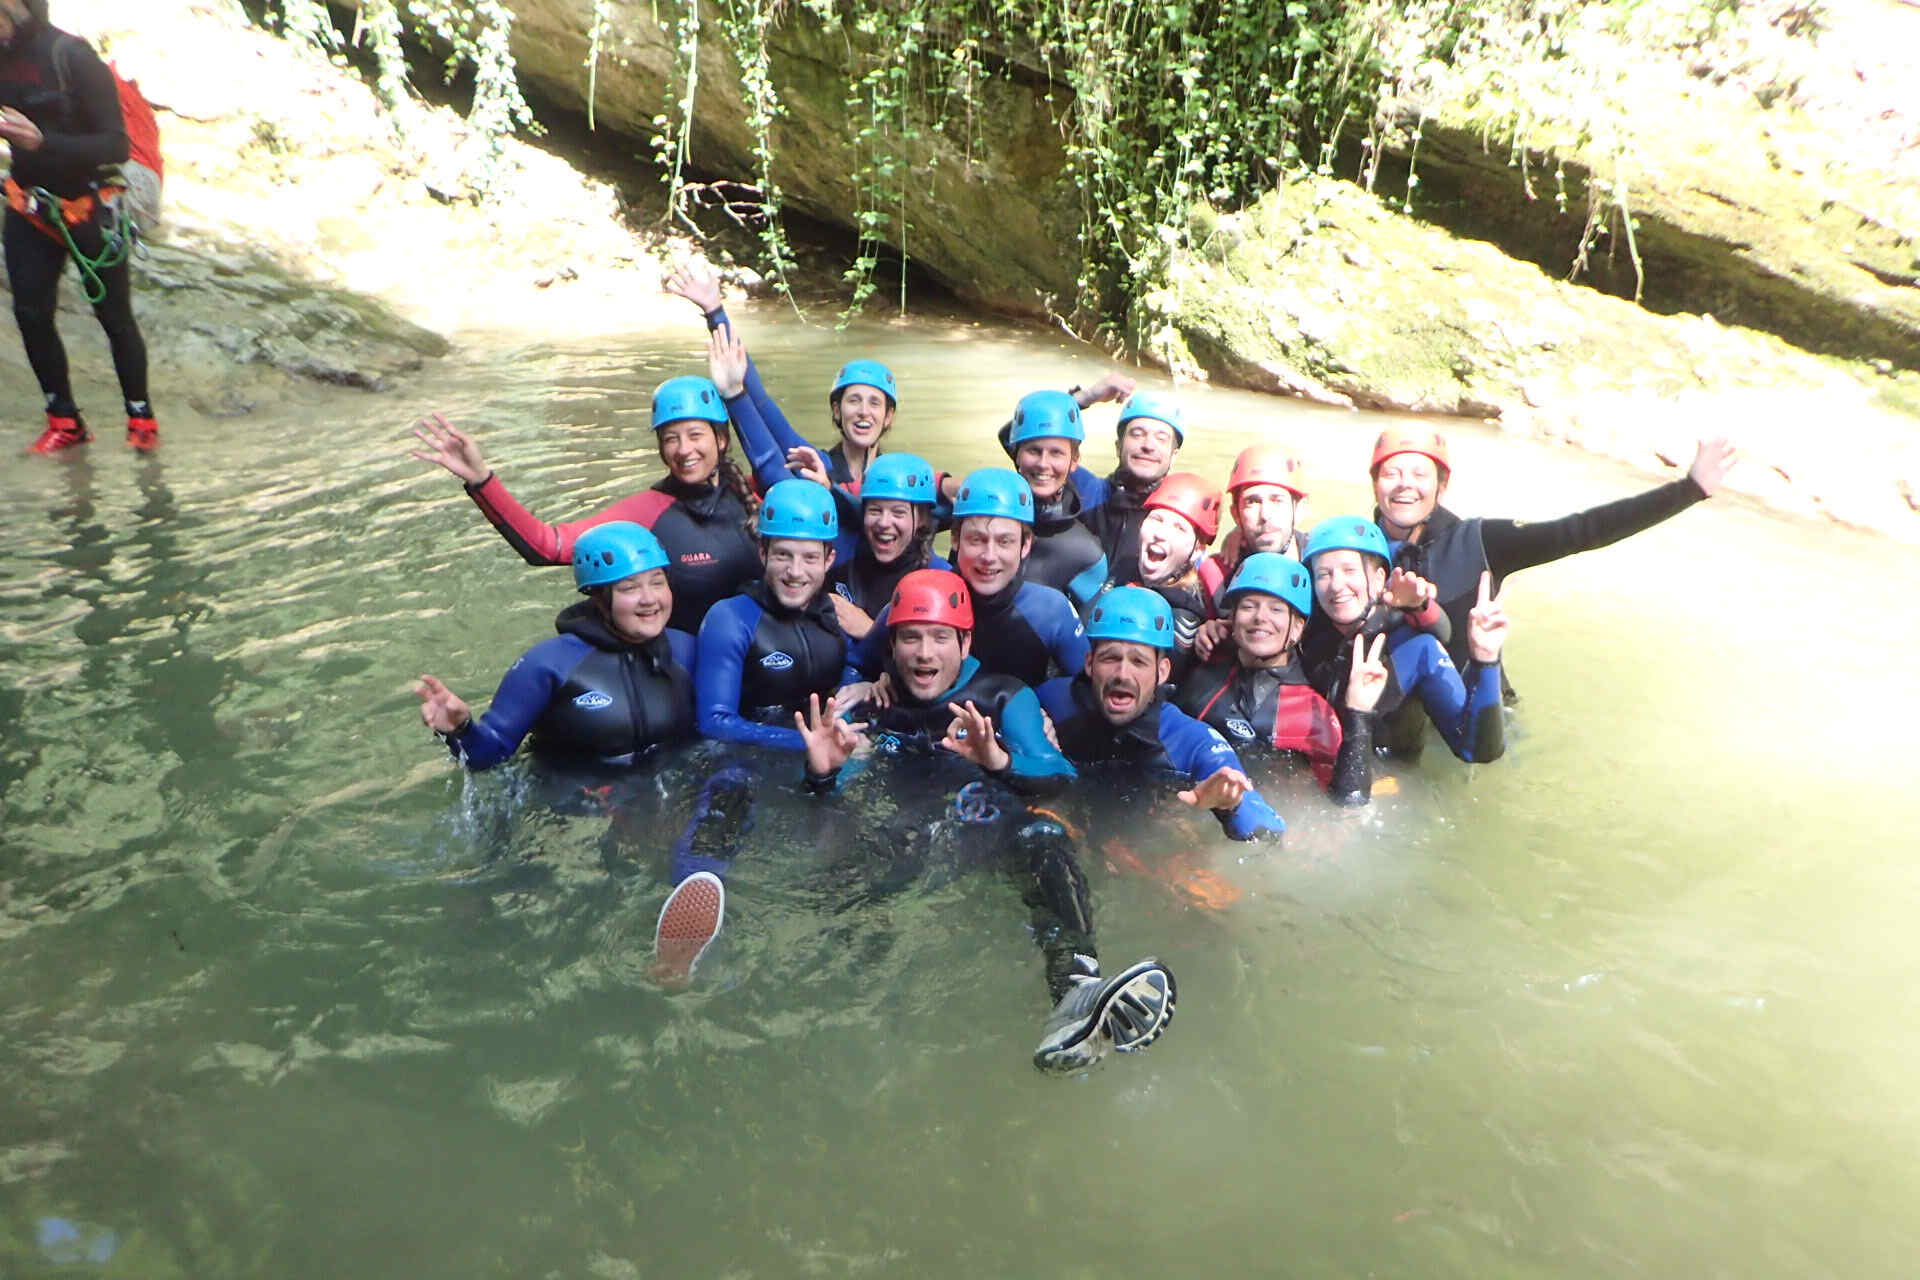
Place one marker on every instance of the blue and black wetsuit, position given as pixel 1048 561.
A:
pixel 947 814
pixel 1422 684
pixel 1025 632
pixel 1066 556
pixel 587 697
pixel 759 661
pixel 1114 507
pixel 1277 709
pixel 1163 741
pixel 869 584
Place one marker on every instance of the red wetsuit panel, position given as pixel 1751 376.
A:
pixel 1303 722
pixel 541 543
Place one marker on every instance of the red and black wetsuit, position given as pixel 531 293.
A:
pixel 57 81
pixel 710 553
pixel 1276 707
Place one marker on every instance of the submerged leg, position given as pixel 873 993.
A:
pixel 1054 888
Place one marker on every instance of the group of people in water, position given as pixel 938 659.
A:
pixel 786 602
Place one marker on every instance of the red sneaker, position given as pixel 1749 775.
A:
pixel 143 434
pixel 61 433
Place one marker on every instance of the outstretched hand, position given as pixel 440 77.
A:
pixel 830 740
pixel 971 735
pixel 1487 624
pixel 1221 789
pixel 1367 678
pixel 727 361
pixel 697 285
pixel 1712 460
pixel 805 461
pixel 448 446
pixel 440 708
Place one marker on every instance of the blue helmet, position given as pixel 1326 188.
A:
pixel 1161 408
pixel 1348 533
pixel 678 399
pixel 1043 415
pixel 799 509
pixel 864 373
pixel 613 552
pixel 1270 573
pixel 995 491
pixel 902 477
pixel 1134 614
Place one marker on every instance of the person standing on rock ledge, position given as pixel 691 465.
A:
pixel 60 113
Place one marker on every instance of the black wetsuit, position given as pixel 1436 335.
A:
pixel 59 82
pixel 1066 555
pixel 869 584
pixel 760 662
pixel 1452 553
pixel 1116 519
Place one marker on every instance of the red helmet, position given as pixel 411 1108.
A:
pixel 1268 464
pixel 1191 498
pixel 1422 440
pixel 931 595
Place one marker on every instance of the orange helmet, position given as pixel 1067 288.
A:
pixel 932 595
pixel 1422 440
pixel 1192 499
pixel 1268 464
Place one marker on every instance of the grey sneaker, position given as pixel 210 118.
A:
pixel 1126 1012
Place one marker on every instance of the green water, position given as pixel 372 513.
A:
pixel 282 993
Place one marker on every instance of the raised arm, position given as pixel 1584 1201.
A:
pixel 523 695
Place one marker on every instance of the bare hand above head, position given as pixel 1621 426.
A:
pixel 697 285
pixel 853 619
pixel 727 361
pixel 830 740
pixel 1487 624
pixel 1367 678
pixel 448 446
pixel 805 461
pixel 1109 386
pixel 440 708
pixel 1208 636
pixel 1221 789
pixel 971 735
pixel 1712 460
pixel 1406 591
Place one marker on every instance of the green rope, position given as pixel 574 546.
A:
pixel 117 235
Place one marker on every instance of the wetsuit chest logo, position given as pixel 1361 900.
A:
pixel 777 661
pixel 697 557
pixel 1240 729
pixel 593 700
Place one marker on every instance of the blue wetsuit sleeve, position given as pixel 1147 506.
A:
pixel 781 431
pixel 1087 584
pixel 685 649
pixel 867 656
pixel 725 637
pixel 1066 638
pixel 938 562
pixel 1487 739
pixel 1093 489
pixel 768 460
pixel 1037 766
pixel 1056 698
pixel 1198 751
pixel 523 695
pixel 1423 668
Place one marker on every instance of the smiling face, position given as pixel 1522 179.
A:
pixel 1124 676
pixel 1146 447
pixel 796 569
pixel 863 415
pixel 1265 629
pixel 988 550
pixel 1265 514
pixel 1406 488
pixel 691 449
pixel 889 526
pixel 1345 584
pixel 1167 544
pixel 1046 463
pixel 636 608
pixel 927 657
